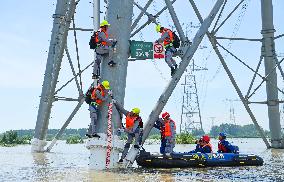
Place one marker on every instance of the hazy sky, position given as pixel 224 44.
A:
pixel 25 34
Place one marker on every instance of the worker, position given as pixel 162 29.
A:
pixel 98 95
pixel 203 145
pixel 167 38
pixel 169 132
pixel 160 125
pixel 133 127
pixel 102 46
pixel 224 146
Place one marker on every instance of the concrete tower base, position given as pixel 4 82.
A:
pixel 98 150
pixel 38 145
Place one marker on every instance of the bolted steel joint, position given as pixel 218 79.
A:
pixel 272 102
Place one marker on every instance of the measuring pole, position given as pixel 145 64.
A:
pixel 174 81
pixel 268 51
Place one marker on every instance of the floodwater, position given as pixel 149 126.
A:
pixel 70 163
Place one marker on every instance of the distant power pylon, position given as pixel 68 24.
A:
pixel 232 110
pixel 190 111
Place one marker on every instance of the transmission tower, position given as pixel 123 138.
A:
pixel 232 109
pixel 190 110
pixel 119 15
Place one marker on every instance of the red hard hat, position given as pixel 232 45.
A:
pixel 165 115
pixel 206 138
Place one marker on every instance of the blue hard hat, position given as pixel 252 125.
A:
pixel 222 134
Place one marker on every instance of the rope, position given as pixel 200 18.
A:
pixel 234 33
pixel 109 135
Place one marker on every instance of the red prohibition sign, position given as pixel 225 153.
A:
pixel 158 48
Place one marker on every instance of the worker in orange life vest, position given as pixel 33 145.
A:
pixel 98 95
pixel 133 127
pixel 103 47
pixel 167 38
pixel 203 145
pixel 169 133
pixel 160 125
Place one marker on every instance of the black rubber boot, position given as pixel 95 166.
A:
pixel 95 76
pixel 111 63
pixel 96 135
pixel 88 135
pixel 172 71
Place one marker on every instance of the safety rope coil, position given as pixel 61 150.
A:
pixel 109 135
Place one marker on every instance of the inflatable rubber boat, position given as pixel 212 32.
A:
pixel 185 160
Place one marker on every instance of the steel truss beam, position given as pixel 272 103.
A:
pixel 136 21
pixel 150 20
pixel 213 42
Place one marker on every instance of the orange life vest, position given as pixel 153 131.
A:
pixel 94 96
pixel 97 37
pixel 168 131
pixel 169 39
pixel 130 121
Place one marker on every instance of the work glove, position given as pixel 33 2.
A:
pixel 114 43
pixel 119 131
pixel 113 101
pixel 110 93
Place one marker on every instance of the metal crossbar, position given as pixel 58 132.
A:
pixel 77 52
pixel 64 85
pixel 150 20
pixel 230 14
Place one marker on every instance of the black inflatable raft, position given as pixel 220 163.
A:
pixel 185 160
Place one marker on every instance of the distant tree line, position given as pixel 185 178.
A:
pixel 52 132
pixel 11 138
pixel 237 131
pixel 15 137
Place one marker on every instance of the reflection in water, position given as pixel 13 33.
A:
pixel 41 166
pixel 70 163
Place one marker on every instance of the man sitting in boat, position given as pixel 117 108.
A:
pixel 203 145
pixel 224 146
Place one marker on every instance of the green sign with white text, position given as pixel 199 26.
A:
pixel 141 50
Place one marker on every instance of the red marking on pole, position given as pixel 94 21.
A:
pixel 109 135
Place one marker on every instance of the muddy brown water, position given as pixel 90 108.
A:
pixel 70 163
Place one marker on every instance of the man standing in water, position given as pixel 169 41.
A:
pixel 133 123
pixel 167 128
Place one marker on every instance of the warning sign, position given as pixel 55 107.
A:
pixel 159 51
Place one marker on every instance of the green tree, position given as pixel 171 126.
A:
pixel 185 138
pixel 74 139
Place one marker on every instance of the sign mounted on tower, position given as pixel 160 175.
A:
pixel 141 50
pixel 159 51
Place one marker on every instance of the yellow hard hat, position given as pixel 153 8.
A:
pixel 106 84
pixel 158 28
pixel 104 23
pixel 136 110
